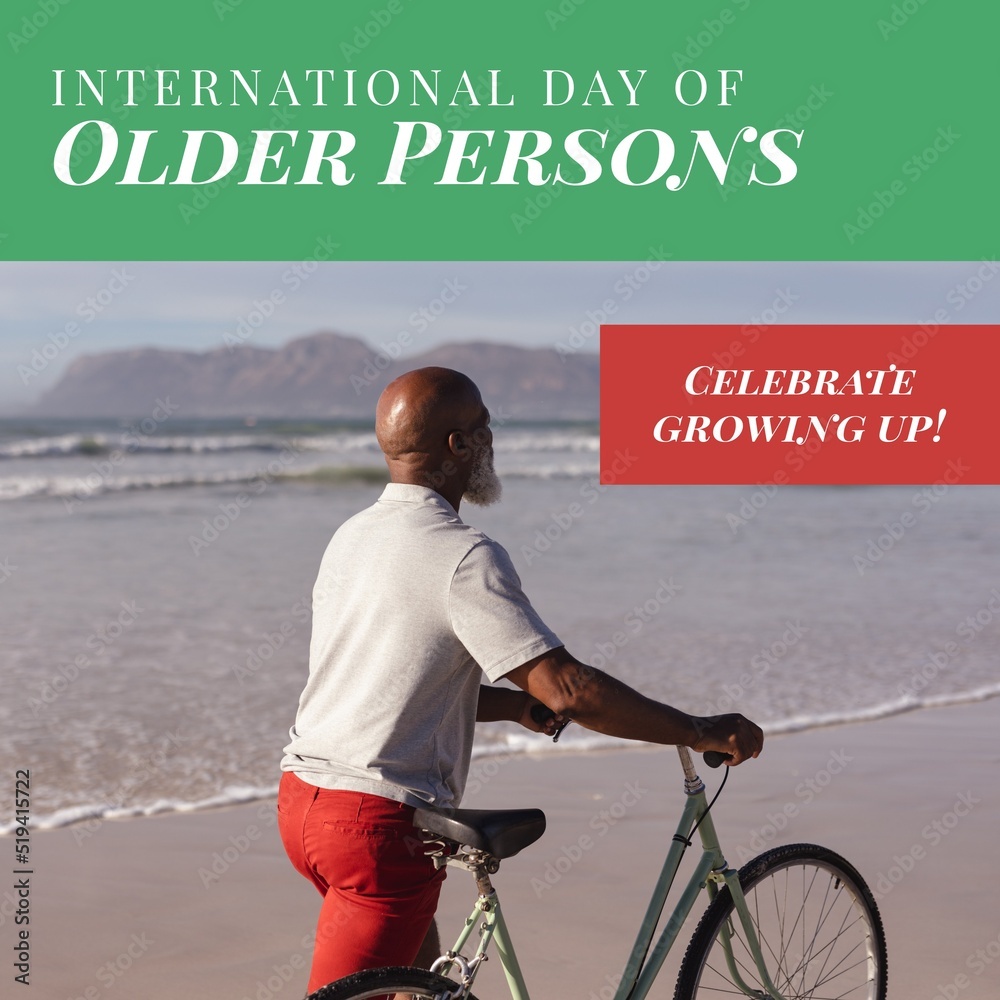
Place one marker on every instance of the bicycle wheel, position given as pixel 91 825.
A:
pixel 819 930
pixel 389 981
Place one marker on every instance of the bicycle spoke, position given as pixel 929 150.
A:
pixel 816 934
pixel 759 925
pixel 829 947
pixel 716 989
pixel 806 893
pixel 840 932
pixel 809 953
pixel 825 915
pixel 822 982
pixel 780 976
pixel 800 922
pixel 748 971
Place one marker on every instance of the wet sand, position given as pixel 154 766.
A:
pixel 205 904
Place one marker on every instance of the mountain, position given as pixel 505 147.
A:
pixel 321 375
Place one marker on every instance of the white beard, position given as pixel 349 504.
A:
pixel 484 488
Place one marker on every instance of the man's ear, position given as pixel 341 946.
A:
pixel 458 445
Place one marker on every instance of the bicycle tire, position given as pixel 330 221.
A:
pixel 389 981
pixel 818 926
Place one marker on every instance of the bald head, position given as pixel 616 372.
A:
pixel 418 410
pixel 430 423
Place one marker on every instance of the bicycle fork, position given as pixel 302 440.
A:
pixel 729 877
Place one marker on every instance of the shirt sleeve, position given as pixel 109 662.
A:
pixel 490 614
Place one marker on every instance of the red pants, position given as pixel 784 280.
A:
pixel 362 853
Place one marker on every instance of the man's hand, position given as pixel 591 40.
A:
pixel 548 727
pixel 500 704
pixel 731 734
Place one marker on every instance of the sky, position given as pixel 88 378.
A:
pixel 52 313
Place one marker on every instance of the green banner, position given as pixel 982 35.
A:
pixel 576 129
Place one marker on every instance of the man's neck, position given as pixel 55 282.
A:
pixel 411 476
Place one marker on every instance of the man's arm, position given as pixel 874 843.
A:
pixel 498 704
pixel 597 701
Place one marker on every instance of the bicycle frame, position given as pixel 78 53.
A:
pixel 645 959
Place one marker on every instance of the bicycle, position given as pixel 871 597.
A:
pixel 795 922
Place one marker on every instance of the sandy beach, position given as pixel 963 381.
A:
pixel 205 905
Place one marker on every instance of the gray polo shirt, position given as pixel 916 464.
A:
pixel 411 607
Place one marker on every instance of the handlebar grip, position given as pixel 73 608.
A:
pixel 715 759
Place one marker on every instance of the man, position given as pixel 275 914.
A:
pixel 411 607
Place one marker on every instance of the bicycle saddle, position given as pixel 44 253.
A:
pixel 499 832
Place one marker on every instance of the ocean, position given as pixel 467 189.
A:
pixel 155 582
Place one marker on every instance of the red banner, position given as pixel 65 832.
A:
pixel 798 404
